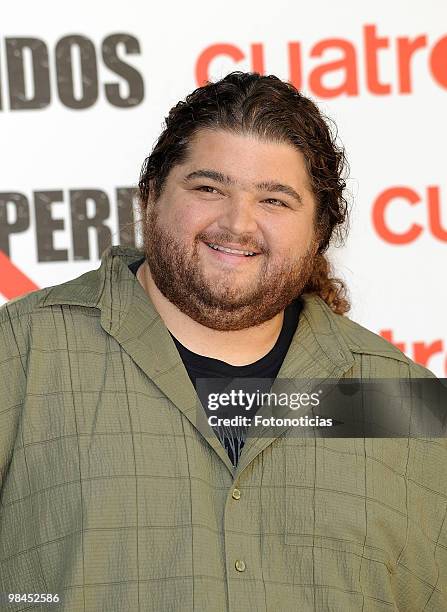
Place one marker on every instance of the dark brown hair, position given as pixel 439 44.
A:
pixel 273 110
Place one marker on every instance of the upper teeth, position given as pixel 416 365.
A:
pixel 217 247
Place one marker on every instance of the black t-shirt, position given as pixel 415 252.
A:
pixel 267 368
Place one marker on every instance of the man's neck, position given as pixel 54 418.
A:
pixel 234 347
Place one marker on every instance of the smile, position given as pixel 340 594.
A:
pixel 238 252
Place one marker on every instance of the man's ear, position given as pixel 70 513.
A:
pixel 321 238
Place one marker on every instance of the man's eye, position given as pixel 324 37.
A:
pixel 206 187
pixel 277 202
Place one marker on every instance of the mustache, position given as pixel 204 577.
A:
pixel 246 244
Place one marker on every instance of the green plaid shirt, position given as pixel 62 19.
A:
pixel 113 499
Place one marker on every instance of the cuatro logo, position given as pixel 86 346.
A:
pixel 358 68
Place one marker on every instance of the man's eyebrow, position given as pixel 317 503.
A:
pixel 224 179
pixel 279 187
pixel 211 174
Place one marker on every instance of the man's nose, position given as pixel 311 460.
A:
pixel 238 216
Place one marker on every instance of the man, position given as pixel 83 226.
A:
pixel 113 497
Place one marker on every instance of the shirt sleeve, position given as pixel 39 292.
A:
pixel 13 359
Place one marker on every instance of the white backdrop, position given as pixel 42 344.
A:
pixel 387 92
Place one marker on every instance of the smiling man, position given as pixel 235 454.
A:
pixel 113 494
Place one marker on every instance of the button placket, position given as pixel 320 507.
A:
pixel 243 560
pixel 239 565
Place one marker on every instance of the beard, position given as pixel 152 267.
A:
pixel 222 303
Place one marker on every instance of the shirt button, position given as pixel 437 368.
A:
pixel 240 565
pixel 236 494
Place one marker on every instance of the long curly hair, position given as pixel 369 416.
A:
pixel 273 110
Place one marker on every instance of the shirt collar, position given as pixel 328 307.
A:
pixel 90 289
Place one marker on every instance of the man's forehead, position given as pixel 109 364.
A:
pixel 204 139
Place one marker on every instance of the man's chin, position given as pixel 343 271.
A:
pixel 226 303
